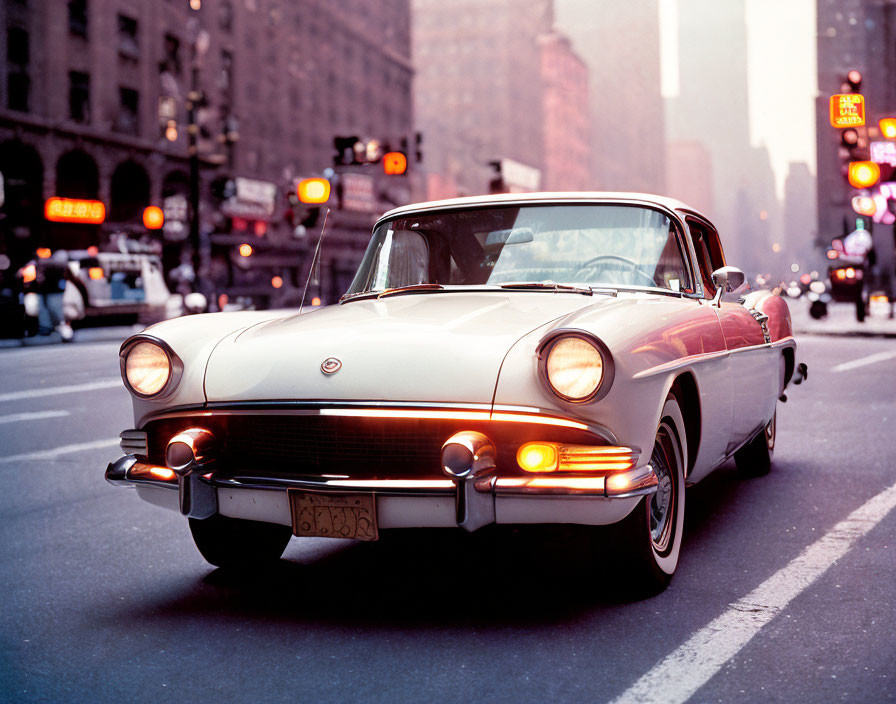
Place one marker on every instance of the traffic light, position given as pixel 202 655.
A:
pixel 153 217
pixel 395 163
pixel 313 190
pixel 345 150
pixel 863 174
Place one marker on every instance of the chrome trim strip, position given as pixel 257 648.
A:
pixel 514 414
pixel 708 356
pixel 550 486
pixel 394 487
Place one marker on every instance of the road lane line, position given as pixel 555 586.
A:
pixel 681 673
pixel 54 390
pixel 861 362
pixel 40 415
pixel 57 451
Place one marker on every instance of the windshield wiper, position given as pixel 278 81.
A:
pixel 410 288
pixel 545 286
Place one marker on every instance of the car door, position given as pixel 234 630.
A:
pixel 752 365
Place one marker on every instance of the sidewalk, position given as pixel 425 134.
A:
pixel 841 320
pixel 113 333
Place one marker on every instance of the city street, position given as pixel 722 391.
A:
pixel 106 599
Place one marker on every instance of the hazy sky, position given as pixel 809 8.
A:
pixel 782 76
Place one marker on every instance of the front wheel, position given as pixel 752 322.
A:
pixel 237 543
pixel 652 533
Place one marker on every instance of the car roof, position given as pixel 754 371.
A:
pixel 546 197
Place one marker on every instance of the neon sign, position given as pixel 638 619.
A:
pixel 91 212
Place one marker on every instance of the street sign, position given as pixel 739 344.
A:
pixel 358 193
pixel 848 110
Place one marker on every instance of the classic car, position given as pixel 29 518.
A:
pixel 548 358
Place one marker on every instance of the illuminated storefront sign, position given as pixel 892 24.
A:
pixel 883 153
pixel 848 110
pixel 91 212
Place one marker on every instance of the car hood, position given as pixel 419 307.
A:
pixel 434 347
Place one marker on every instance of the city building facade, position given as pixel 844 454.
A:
pixel 478 94
pixel 567 134
pixel 620 45
pixel 97 99
pixel 712 108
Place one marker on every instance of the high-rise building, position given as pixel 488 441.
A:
pixel 689 175
pixel 799 212
pixel 94 104
pixel 852 35
pixel 478 95
pixel 713 108
pixel 855 35
pixel 567 149
pixel 619 42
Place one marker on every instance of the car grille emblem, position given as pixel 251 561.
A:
pixel 331 365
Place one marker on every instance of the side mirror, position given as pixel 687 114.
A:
pixel 726 279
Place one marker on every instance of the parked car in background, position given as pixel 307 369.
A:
pixel 118 284
pixel 510 359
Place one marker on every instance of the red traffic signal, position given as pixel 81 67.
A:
pixel 395 163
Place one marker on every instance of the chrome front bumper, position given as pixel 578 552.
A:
pixel 467 503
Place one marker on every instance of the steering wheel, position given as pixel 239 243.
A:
pixel 636 268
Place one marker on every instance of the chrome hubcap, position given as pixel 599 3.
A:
pixel 662 502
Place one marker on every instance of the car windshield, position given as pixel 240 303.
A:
pixel 582 245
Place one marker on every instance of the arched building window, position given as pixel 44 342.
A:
pixel 129 193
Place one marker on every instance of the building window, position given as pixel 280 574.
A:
pixel 226 73
pixel 172 55
pixel 18 87
pixel 128 111
pixel 77 17
pixel 79 96
pixel 128 45
pixel 17 51
pixel 226 16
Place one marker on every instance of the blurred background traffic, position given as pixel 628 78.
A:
pixel 161 158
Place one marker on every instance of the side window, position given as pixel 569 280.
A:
pixel 708 251
pixel 671 272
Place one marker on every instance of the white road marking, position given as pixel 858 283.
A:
pixel 40 415
pixel 56 452
pixel 862 361
pixel 677 677
pixel 54 390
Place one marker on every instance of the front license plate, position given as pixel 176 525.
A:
pixel 333 515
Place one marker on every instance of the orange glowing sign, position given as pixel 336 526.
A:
pixel 91 212
pixel 313 190
pixel 153 217
pixel 395 163
pixel 44 252
pixel 848 110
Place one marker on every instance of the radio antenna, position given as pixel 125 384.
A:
pixel 314 260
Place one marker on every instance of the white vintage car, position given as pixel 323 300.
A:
pixel 553 358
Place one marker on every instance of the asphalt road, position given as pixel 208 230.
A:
pixel 105 599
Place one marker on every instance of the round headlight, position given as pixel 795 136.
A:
pixel 147 368
pixel 574 368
